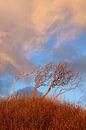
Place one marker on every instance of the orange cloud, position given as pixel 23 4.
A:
pixel 46 12
pixel 25 25
pixel 43 13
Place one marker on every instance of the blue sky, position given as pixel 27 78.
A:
pixel 44 57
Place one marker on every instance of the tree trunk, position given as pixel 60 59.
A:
pixel 35 90
pixel 13 86
pixel 47 92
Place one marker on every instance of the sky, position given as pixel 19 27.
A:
pixel 36 32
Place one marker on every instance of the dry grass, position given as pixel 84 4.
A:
pixel 40 114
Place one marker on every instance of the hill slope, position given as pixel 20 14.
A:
pixel 28 91
pixel 40 114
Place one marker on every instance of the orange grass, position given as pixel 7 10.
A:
pixel 40 114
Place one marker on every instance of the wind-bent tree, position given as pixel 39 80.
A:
pixel 62 77
pixel 19 77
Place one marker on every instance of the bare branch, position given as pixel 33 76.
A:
pixel 19 77
pixel 53 76
pixel 47 91
pixel 66 89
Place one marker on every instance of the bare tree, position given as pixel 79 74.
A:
pixel 19 77
pixel 62 77
pixel 52 76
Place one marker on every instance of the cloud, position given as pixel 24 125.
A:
pixel 26 25
pixel 46 12
pixel 65 19
pixel 45 15
pixel 65 52
pixel 80 64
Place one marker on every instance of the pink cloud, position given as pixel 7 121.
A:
pixel 25 25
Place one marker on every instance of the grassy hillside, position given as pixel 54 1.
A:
pixel 40 114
